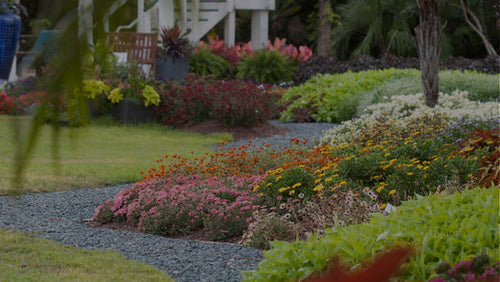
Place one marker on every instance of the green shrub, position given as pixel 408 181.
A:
pixel 440 227
pixel 481 87
pixel 339 97
pixel 334 98
pixel 267 67
pixel 204 62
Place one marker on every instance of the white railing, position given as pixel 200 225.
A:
pixel 200 17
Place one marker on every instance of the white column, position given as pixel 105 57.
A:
pixel 183 15
pixel 13 69
pixel 85 23
pixel 166 13
pixel 230 24
pixel 260 29
pixel 141 17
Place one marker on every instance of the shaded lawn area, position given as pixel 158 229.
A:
pixel 104 153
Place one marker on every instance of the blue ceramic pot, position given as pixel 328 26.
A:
pixel 10 28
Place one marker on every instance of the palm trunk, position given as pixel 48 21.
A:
pixel 429 33
pixel 325 28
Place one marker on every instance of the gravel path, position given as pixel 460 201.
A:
pixel 58 216
pixel 312 131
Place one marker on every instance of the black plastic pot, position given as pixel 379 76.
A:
pixel 132 111
pixel 171 69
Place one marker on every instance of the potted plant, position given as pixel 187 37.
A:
pixel 133 96
pixel 10 28
pixel 172 59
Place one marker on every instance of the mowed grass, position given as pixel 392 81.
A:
pixel 27 258
pixel 104 153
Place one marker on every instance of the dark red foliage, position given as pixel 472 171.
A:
pixel 489 169
pixel 381 269
pixel 17 105
pixel 232 102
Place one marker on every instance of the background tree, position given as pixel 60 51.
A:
pixel 325 26
pixel 378 27
pixel 475 24
pixel 375 27
pixel 429 33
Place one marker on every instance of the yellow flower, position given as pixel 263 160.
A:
pixel 268 184
pixel 278 178
pixel 380 188
pixel 426 167
pixel 342 183
pixel 410 173
pixel 477 140
pixel 387 154
pixel 283 189
pixel 392 192
pixel 291 192
pixel 328 179
pixel 296 185
pixel 255 188
pixel 319 187
pixel 382 206
pixel 317 181
pixel 468 149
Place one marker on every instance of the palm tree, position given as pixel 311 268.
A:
pixel 375 27
pixel 429 34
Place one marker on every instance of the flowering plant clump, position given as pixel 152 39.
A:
pixel 235 53
pixel 232 102
pixel 404 112
pixel 21 104
pixel 232 54
pixel 302 54
pixel 477 269
pixel 183 204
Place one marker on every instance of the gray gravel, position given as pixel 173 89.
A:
pixel 58 216
pixel 312 131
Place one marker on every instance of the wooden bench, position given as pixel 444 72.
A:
pixel 139 47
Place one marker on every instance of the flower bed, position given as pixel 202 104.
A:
pixel 338 183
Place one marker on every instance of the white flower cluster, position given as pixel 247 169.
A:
pixel 406 108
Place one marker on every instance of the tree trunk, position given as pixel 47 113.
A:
pixel 429 33
pixel 325 27
pixel 477 27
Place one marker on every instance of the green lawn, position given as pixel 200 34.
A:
pixel 104 153
pixel 27 258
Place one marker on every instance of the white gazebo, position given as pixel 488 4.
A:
pixel 198 15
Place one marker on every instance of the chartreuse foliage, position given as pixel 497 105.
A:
pixel 339 97
pixel 334 98
pixel 440 228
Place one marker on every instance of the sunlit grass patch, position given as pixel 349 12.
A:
pixel 27 258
